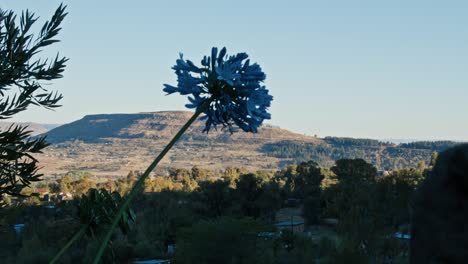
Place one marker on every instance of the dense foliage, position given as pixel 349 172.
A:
pixel 430 145
pixel 355 142
pixel 384 156
pixel 440 211
pixel 227 217
pixel 21 70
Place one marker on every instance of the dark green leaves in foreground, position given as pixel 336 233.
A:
pixel 96 211
pixel 17 165
pixel 99 207
pixel 22 75
pixel 19 66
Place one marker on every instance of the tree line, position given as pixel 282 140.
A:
pixel 219 217
pixel 384 156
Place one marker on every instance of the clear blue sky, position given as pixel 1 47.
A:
pixel 380 69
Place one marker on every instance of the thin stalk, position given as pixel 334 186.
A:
pixel 140 183
pixel 76 237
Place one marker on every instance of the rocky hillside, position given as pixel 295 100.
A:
pixel 158 126
pixel 113 144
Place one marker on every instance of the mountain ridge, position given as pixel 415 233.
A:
pixel 114 144
pixel 92 128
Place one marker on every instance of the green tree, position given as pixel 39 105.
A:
pixel 148 186
pixel 307 182
pixel 411 177
pixel 224 240
pixel 178 173
pixel 20 68
pixel 391 197
pixel 286 177
pixel 200 174
pixel 161 183
pixel 421 166
pixel 312 206
pixel 122 187
pixel 354 170
pixel 270 200
pixel 369 210
pixel 440 211
pixel 132 177
pixel 434 157
pixel 308 174
pixel 83 185
pixel 54 187
pixel 353 203
pixel 188 184
pixel 231 174
pixel 329 178
pixel 214 198
pixel 66 184
pixel 248 191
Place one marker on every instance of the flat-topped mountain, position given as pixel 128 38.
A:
pixel 158 126
pixel 113 144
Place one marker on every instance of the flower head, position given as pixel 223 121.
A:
pixel 228 89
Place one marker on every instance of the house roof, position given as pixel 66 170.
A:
pixel 402 236
pixel 289 223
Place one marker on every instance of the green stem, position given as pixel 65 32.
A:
pixel 77 236
pixel 140 183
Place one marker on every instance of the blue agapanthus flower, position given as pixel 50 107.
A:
pixel 228 89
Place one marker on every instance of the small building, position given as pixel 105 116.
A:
pixel 171 248
pixel 19 228
pixel 267 235
pixel 295 226
pixel 64 196
pixel 402 236
pixel 42 190
pixel 383 173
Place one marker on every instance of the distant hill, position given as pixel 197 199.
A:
pixel 113 144
pixel 158 126
pixel 383 155
pixel 34 127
